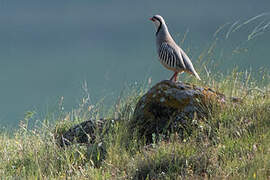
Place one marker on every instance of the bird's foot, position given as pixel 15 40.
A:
pixel 174 77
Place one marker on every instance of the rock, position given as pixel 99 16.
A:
pixel 85 132
pixel 165 107
pixel 90 134
pixel 169 105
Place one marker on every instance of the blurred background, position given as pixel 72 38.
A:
pixel 48 49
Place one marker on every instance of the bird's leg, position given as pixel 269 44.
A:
pixel 173 78
pixel 176 76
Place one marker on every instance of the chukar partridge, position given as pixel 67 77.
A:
pixel 170 54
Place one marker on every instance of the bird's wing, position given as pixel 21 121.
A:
pixel 174 52
pixel 188 64
pixel 186 60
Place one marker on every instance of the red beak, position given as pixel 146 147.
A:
pixel 151 19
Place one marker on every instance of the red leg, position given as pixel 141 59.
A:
pixel 176 77
pixel 173 78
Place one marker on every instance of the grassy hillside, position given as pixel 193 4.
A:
pixel 234 142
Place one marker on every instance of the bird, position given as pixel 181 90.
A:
pixel 170 54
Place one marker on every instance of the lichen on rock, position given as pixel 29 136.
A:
pixel 168 105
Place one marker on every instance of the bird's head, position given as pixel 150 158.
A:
pixel 158 20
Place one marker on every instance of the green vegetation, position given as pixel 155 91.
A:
pixel 234 142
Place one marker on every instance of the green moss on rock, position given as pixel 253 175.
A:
pixel 168 106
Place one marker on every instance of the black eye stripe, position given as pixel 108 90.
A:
pixel 160 23
pixel 157 19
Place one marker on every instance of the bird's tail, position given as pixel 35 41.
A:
pixel 196 75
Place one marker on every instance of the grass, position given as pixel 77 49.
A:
pixel 234 142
